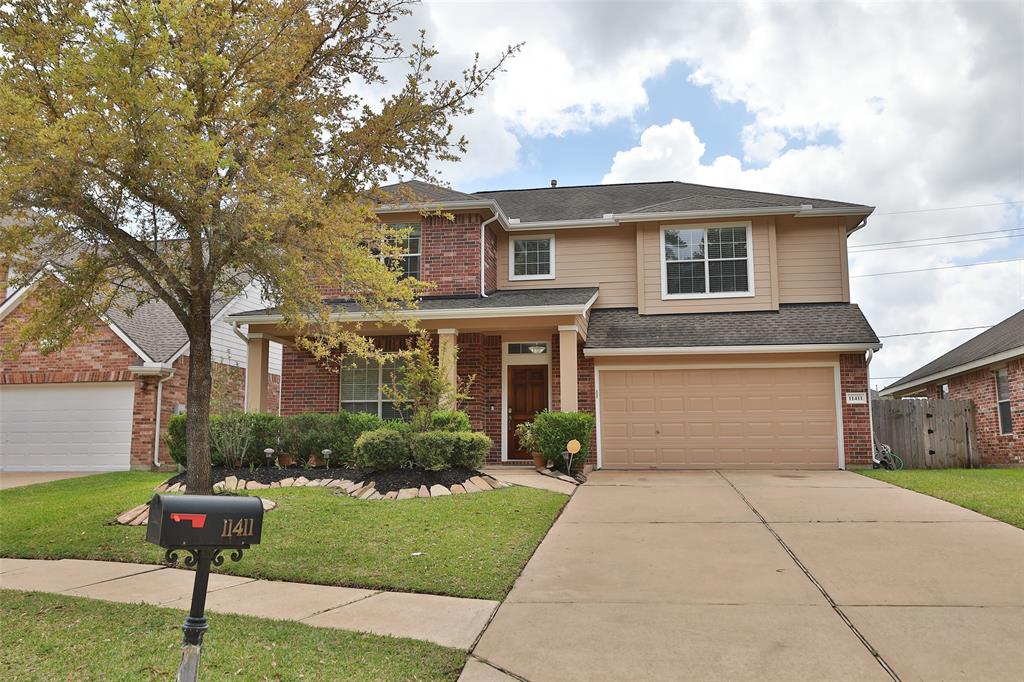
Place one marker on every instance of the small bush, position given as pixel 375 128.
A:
pixel 469 449
pixel 381 449
pixel 266 433
pixel 432 450
pixel 231 436
pixel 450 420
pixel 348 426
pixel 552 430
pixel 175 439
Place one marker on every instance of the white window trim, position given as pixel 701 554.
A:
pixel 665 296
pixel 416 227
pixel 999 413
pixel 380 392
pixel 512 276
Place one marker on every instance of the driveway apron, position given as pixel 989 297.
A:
pixel 761 576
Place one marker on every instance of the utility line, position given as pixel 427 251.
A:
pixel 918 246
pixel 943 267
pixel 937 331
pixel 941 236
pixel 951 208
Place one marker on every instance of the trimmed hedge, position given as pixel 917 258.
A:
pixel 469 449
pixel 553 430
pixel 432 450
pixel 381 449
pixel 450 420
pixel 175 439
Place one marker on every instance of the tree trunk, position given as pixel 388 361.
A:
pixel 197 420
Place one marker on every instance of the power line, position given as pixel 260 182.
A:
pixel 918 246
pixel 941 236
pixel 942 267
pixel 937 331
pixel 951 208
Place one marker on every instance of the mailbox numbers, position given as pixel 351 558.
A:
pixel 243 528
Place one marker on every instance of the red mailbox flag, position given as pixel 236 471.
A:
pixel 198 520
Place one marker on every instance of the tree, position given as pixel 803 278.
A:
pixel 179 150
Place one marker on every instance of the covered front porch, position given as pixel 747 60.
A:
pixel 524 350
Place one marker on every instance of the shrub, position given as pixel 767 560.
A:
pixel 469 449
pixel 552 430
pixel 348 426
pixel 450 420
pixel 381 449
pixel 230 438
pixel 306 434
pixel 266 433
pixel 177 446
pixel 432 450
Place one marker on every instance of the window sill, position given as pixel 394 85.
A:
pixel 527 278
pixel 684 297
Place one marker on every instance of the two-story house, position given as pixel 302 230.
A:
pixel 705 327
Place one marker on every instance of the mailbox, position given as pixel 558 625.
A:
pixel 204 521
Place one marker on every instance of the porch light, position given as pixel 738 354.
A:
pixel 537 348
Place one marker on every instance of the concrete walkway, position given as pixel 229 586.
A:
pixel 16 479
pixel 761 576
pixel 448 621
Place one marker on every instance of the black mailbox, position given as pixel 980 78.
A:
pixel 204 521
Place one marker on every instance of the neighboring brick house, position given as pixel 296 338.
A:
pixel 705 327
pixel 988 370
pixel 98 404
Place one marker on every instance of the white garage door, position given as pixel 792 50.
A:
pixel 756 418
pixel 66 427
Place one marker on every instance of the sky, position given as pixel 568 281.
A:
pixel 916 108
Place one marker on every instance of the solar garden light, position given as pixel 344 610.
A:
pixel 327 452
pixel 203 526
pixel 269 454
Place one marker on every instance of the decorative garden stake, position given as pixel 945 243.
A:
pixel 203 526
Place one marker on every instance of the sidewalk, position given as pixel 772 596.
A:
pixel 449 621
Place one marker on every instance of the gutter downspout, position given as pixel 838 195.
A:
pixel 483 233
pixel 868 355
pixel 156 431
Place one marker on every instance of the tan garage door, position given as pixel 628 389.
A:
pixel 719 418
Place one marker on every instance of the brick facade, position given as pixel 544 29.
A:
pixel 853 377
pixel 490 262
pixel 979 386
pixel 480 355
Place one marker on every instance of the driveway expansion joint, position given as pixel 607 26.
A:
pixel 835 607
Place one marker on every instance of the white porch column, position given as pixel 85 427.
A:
pixel 568 389
pixel 447 357
pixel 257 375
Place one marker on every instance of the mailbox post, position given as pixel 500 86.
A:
pixel 202 526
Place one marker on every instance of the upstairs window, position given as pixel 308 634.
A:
pixel 362 382
pixel 532 257
pixel 706 262
pixel 411 254
pixel 1003 401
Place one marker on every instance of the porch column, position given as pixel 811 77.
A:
pixel 257 375
pixel 567 376
pixel 447 358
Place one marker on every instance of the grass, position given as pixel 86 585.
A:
pixel 54 637
pixel 998 493
pixel 462 545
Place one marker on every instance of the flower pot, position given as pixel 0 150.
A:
pixel 539 461
pixel 284 460
pixel 315 462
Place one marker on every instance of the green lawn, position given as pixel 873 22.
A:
pixel 53 637
pixel 998 493
pixel 462 545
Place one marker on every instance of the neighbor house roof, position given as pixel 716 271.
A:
pixel 497 304
pixel 803 324
pixel 616 203
pixel 1001 342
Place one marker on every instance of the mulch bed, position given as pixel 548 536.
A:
pixel 386 481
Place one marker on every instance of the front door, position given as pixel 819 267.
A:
pixel 527 395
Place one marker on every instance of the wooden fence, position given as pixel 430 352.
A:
pixel 927 434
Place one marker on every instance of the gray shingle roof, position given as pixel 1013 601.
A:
pixel 154 328
pixel 793 324
pixel 594 201
pixel 499 299
pixel 423 191
pixel 1005 336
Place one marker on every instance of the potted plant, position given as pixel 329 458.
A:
pixel 524 432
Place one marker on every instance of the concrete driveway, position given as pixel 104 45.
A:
pixel 761 576
pixel 17 479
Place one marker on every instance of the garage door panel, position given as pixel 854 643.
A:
pixel 710 418
pixel 66 427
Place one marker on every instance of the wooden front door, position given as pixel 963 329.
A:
pixel 527 395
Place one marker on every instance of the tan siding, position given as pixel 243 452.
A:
pixel 652 285
pixel 810 260
pixel 601 257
